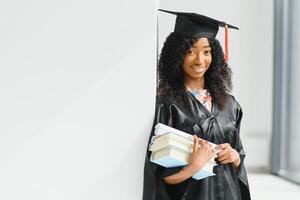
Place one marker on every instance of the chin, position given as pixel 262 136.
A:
pixel 198 76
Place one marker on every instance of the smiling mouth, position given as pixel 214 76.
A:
pixel 199 69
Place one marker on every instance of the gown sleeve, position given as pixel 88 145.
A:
pixel 242 175
pixel 154 187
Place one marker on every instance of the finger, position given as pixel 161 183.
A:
pixel 226 161
pixel 230 157
pixel 196 143
pixel 224 145
pixel 223 152
pixel 202 143
pixel 224 157
pixel 213 152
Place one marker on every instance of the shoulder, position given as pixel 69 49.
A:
pixel 233 106
pixel 233 102
pixel 165 100
pixel 236 107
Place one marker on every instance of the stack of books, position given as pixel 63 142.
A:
pixel 173 148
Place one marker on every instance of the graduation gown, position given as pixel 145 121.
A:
pixel 217 126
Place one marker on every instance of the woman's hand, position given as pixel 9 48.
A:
pixel 202 153
pixel 228 155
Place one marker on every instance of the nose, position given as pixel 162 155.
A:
pixel 200 59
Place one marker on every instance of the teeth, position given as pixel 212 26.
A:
pixel 198 69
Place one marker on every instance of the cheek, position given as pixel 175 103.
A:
pixel 208 61
pixel 187 62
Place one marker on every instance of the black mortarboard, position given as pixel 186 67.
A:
pixel 195 25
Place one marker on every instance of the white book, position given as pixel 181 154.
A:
pixel 170 140
pixel 170 157
pixel 203 174
pixel 166 136
pixel 178 157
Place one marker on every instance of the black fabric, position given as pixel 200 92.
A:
pixel 217 126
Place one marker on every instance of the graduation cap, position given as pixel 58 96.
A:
pixel 195 25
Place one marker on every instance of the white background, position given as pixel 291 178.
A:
pixel 77 98
pixel 77 84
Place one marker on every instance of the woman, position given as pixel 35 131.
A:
pixel 193 96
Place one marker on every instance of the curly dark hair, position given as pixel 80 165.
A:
pixel 171 75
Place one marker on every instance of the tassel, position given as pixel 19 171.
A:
pixel 226 43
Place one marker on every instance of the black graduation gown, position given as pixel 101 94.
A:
pixel 217 126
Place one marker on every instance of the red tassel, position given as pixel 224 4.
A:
pixel 226 43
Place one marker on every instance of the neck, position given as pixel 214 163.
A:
pixel 197 84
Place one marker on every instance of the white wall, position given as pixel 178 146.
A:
pixel 77 86
pixel 250 56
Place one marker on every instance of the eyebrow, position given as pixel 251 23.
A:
pixel 203 47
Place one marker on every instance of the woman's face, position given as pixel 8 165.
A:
pixel 198 60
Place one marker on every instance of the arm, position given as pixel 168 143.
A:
pixel 200 156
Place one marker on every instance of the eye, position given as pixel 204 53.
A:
pixel 207 52
pixel 191 52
